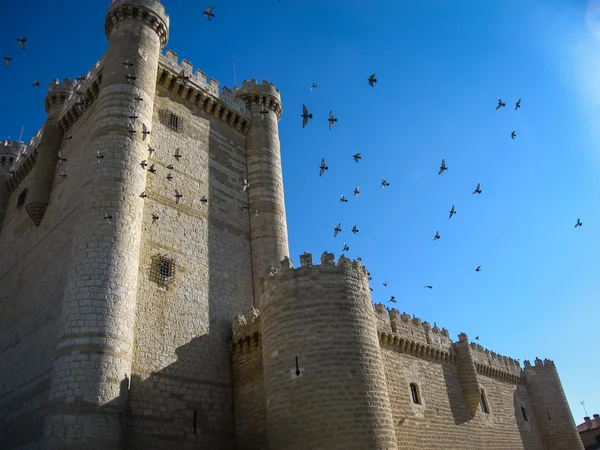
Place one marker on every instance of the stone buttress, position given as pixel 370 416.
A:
pixel 45 169
pixel 335 397
pixel 550 406
pixel 268 229
pixel 93 357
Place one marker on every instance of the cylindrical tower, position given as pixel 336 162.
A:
pixel 44 172
pixel 268 229
pixel 9 152
pixel 550 406
pixel 93 356
pixel 335 397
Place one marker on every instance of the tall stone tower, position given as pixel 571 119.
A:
pixel 268 229
pixel 45 169
pixel 335 397
pixel 93 356
pixel 9 151
pixel 550 406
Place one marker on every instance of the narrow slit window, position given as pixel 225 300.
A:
pixel 524 412
pixel 483 403
pixel 414 392
pixel 548 412
pixel 21 198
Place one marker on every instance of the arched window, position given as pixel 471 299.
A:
pixel 483 403
pixel 414 392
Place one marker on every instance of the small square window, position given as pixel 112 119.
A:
pixel 164 269
pixel 524 414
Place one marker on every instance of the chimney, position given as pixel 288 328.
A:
pixel 588 422
pixel 597 419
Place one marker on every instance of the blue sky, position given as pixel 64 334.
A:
pixel 441 67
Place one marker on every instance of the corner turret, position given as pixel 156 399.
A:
pixel 137 30
pixel 9 152
pixel 268 229
pixel 319 315
pixel 467 372
pixel 550 406
pixel 43 175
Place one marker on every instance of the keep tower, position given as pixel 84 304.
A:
pixel 322 315
pixel 44 173
pixel 9 152
pixel 268 229
pixel 100 295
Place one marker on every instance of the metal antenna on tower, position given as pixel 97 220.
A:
pixel 20 137
pixel 583 404
pixel 233 64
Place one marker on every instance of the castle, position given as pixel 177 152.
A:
pixel 147 300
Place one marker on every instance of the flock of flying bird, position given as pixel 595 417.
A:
pixel 384 183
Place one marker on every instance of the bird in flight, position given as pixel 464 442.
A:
pixel 313 86
pixel 578 224
pixel 177 155
pixel 305 116
pixel 477 189
pixel 346 248
pixel 385 283
pixel 145 131
pixel 143 164
pixel 62 174
pixel 323 167
pixel 152 169
pixel 61 158
pixel 331 119
pixel 99 156
pixel 343 199
pixel 245 185
pixel 130 77
pixel 452 212
pixel 437 236
pixel 204 199
pixel 478 269
pixel 513 134
pixel 355 230
pixel 177 196
pixel 170 167
pixel 393 299
pixel 128 63
pixel 356 191
pixel 372 80
pixel 357 156
pixel 36 83
pixel 500 104
pixel 169 177
pixel 477 337
pixel 384 183
pixel 208 13
pixel 518 105
pixel 108 217
pixel 442 167
pixel 429 286
pixel 21 42
pixel 7 60
pixel 337 229
pixel 154 218
pixel 143 195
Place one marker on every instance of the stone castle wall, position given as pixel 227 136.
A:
pixel 33 271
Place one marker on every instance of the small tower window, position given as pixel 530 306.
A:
pixel 483 403
pixel 164 269
pixel 524 412
pixel 21 198
pixel 171 120
pixel 414 392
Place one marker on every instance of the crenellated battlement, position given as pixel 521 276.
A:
pixel 150 11
pixel 259 95
pixel 58 92
pixel 494 365
pixel 222 104
pixel 286 270
pixel 246 332
pixel 546 364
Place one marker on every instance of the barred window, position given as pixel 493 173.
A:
pixel 171 120
pixel 164 269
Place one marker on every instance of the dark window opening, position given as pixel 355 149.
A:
pixel 164 269
pixel 524 414
pixel 483 404
pixel 414 392
pixel 548 412
pixel 21 198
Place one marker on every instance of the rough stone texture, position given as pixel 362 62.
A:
pixel 323 316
